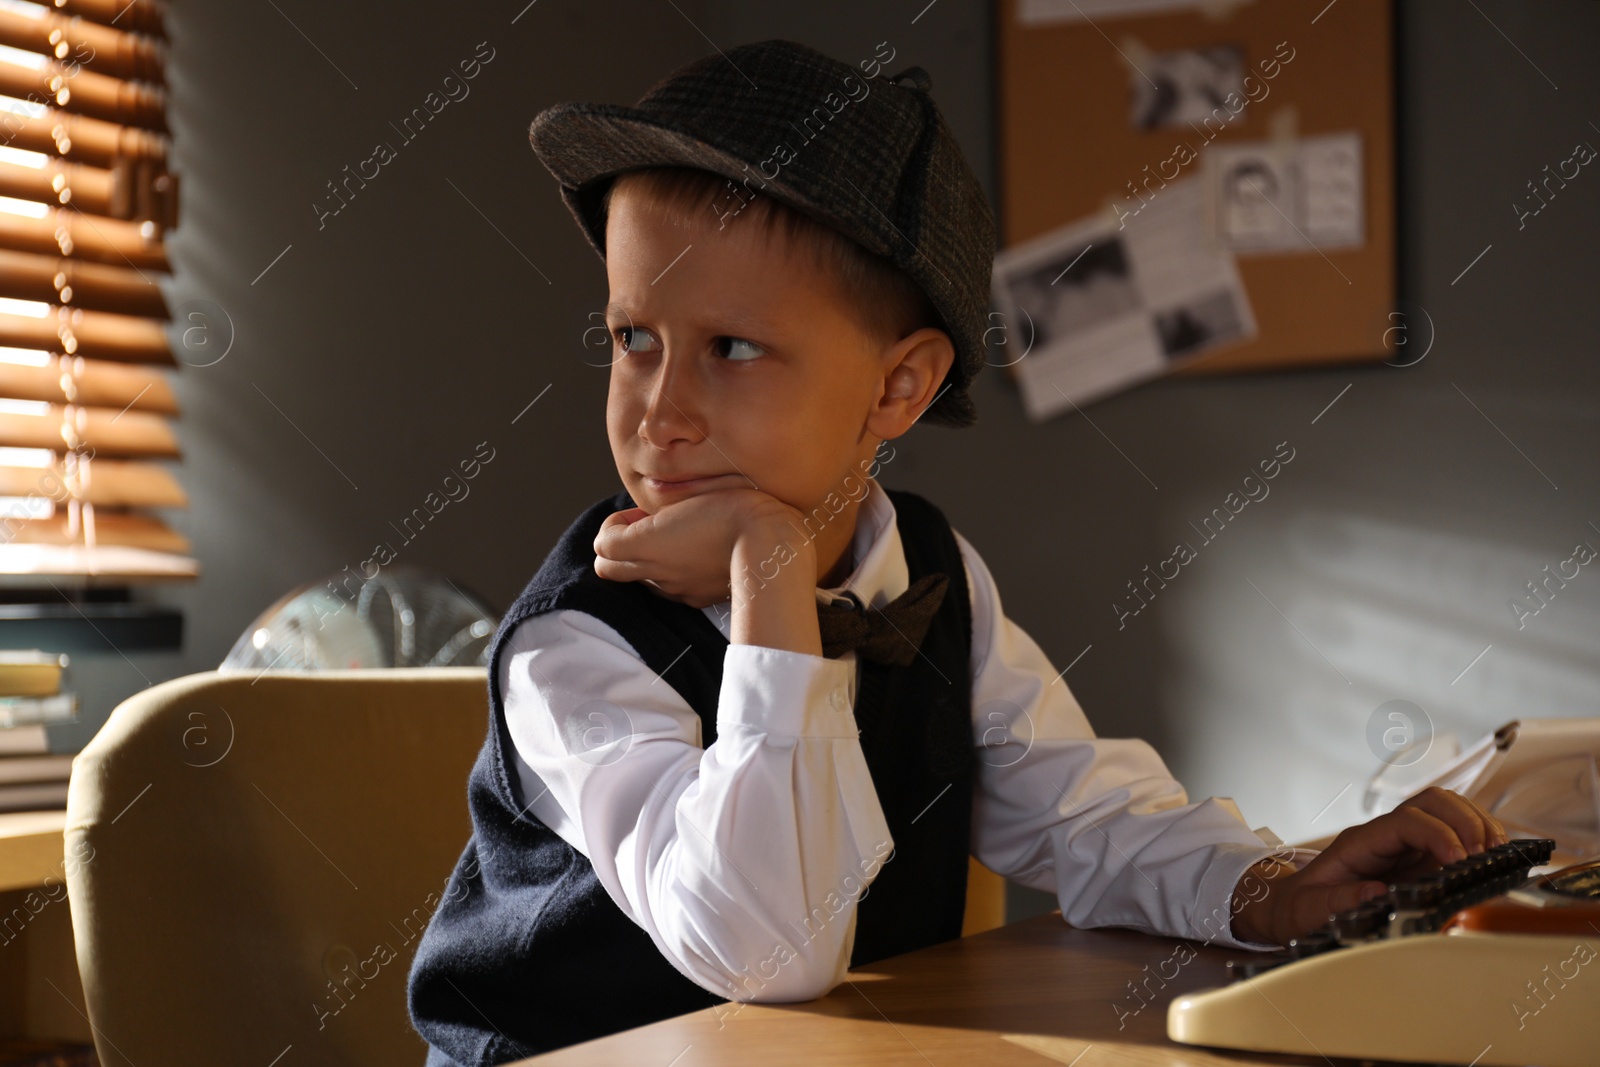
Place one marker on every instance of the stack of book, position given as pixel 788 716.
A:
pixel 31 777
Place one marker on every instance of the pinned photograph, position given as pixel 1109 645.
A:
pixel 1259 196
pixel 1186 86
pixel 1213 319
pixel 1076 290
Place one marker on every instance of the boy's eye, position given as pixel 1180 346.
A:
pixel 733 342
pixel 639 339
pixel 625 335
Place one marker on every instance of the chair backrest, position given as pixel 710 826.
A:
pixel 252 859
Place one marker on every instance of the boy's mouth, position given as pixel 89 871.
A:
pixel 664 485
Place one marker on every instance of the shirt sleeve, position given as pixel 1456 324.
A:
pixel 743 860
pixel 1099 822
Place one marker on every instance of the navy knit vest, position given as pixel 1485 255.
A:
pixel 528 953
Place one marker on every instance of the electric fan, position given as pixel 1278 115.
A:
pixel 403 617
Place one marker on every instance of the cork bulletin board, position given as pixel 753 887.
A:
pixel 1112 114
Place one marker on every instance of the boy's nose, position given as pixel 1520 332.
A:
pixel 671 410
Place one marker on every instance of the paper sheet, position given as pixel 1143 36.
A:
pixel 1038 12
pixel 1092 308
pixel 1297 195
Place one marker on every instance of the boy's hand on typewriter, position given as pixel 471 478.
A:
pixel 685 549
pixel 1434 828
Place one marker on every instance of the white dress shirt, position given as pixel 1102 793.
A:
pixel 722 853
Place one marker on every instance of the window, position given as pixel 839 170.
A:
pixel 85 202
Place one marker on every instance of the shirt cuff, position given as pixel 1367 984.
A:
pixel 1213 913
pixel 795 694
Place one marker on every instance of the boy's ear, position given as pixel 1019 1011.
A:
pixel 914 370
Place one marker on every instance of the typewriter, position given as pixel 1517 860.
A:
pixel 1476 964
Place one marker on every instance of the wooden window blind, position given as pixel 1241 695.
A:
pixel 86 200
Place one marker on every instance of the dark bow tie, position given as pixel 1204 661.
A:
pixel 890 635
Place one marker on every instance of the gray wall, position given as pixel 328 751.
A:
pixel 422 319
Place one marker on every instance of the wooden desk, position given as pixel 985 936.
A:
pixel 40 994
pixel 1036 988
pixel 31 848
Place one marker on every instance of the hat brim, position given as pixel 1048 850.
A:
pixel 586 146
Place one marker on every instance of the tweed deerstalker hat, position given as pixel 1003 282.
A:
pixel 865 153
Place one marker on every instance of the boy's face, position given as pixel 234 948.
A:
pixel 734 363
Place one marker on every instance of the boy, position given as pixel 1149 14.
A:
pixel 702 751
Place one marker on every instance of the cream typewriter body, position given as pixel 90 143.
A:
pixel 1476 964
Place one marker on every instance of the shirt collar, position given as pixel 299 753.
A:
pixel 880 572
